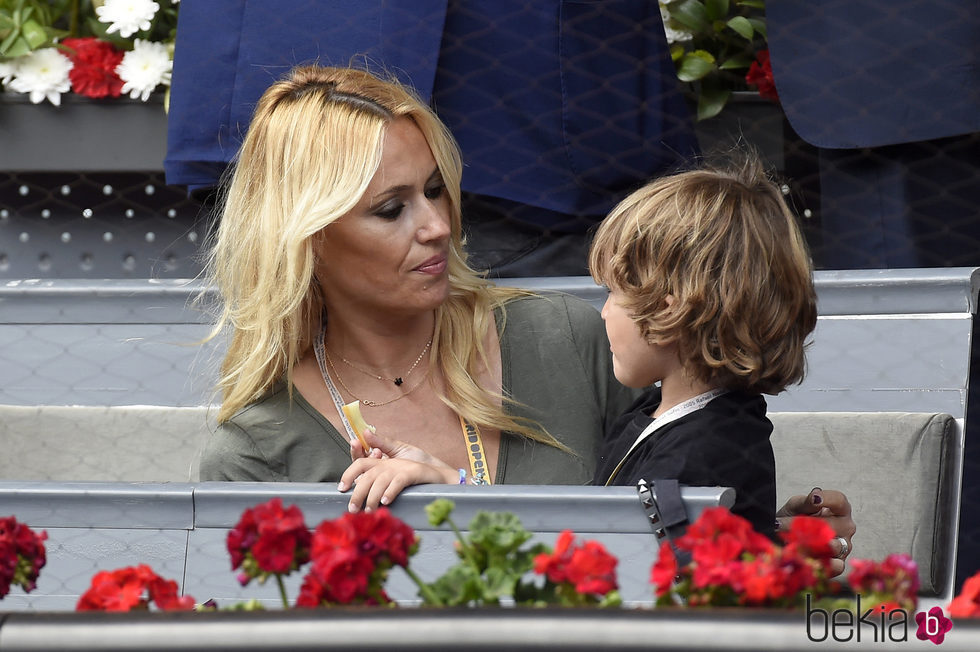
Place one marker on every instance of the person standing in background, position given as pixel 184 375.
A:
pixel 560 108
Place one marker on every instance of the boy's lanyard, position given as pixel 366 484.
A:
pixel 671 415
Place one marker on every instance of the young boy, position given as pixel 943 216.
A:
pixel 711 294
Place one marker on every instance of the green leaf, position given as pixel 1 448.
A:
pixel 500 583
pixel 439 510
pixel 691 14
pixel 14 46
pixel 497 532
pixel 743 26
pixel 738 62
pixel 712 101
pixel 716 9
pixel 759 25
pixel 611 599
pixel 695 66
pixel 459 585
pixel 676 51
pixel 34 34
pixel 757 4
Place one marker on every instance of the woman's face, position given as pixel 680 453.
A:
pixel 389 255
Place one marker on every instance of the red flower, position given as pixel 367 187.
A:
pixel 592 569
pixel 133 587
pixel 967 603
pixel 586 567
pixel 812 535
pixel 731 564
pixel 343 577
pixel 22 555
pixel 719 523
pixel 760 76
pixel 554 566
pixel 269 540
pixel 380 533
pixel 897 576
pixel 94 72
pixel 351 558
pixel 664 569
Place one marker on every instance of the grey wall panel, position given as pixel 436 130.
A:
pixel 76 554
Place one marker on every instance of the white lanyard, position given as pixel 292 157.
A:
pixel 334 394
pixel 671 415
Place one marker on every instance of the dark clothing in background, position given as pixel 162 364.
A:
pixel 560 107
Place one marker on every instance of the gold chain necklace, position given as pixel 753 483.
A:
pixel 398 380
pixel 366 401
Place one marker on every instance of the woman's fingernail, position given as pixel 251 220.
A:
pixel 778 525
pixel 352 508
pixel 368 510
pixel 384 500
pixel 816 498
pixel 341 486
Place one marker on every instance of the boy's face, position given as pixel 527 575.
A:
pixel 636 362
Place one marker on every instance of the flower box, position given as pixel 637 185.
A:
pixel 83 135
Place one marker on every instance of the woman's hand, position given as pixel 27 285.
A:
pixel 383 447
pixel 833 507
pixel 377 481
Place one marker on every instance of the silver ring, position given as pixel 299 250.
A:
pixel 844 547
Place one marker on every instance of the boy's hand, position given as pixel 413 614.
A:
pixel 377 482
pixel 834 508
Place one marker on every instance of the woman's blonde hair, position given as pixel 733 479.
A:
pixel 314 143
pixel 725 245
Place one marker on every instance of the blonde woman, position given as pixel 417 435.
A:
pixel 340 263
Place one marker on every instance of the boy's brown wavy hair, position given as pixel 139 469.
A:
pixel 725 245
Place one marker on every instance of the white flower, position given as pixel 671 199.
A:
pixel 143 69
pixel 44 74
pixel 8 69
pixel 673 35
pixel 127 16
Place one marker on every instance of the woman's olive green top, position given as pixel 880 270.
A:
pixel 556 364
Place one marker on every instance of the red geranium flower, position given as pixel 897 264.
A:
pixel 587 567
pixel 592 569
pixel 967 603
pixel 719 523
pixel 22 555
pixel 664 569
pixel 731 564
pixel 269 540
pixel 94 72
pixel 897 577
pixel 351 558
pixel 812 535
pixel 133 587
pixel 760 76
pixel 554 566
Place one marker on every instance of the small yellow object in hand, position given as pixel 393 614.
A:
pixel 353 413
